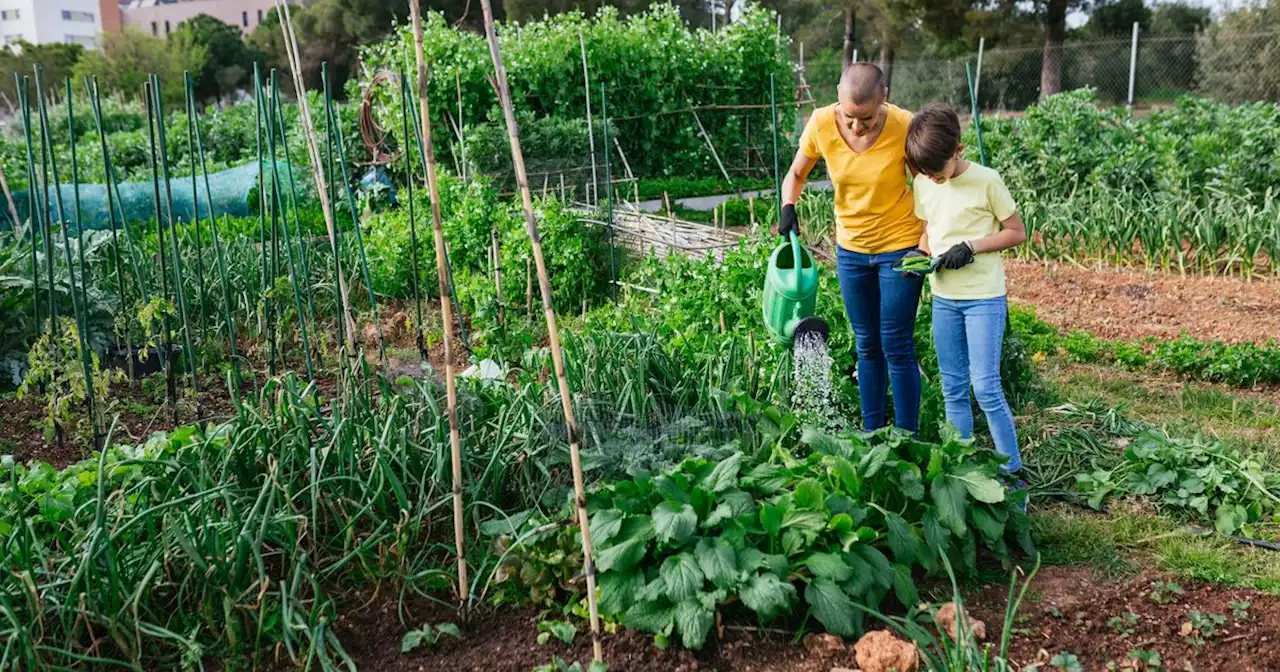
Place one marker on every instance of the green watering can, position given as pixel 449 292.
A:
pixel 790 291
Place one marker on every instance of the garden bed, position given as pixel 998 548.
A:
pixel 1066 610
pixel 1127 304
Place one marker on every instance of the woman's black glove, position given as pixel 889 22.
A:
pixel 958 256
pixel 789 223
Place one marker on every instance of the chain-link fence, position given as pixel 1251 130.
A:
pixel 1232 69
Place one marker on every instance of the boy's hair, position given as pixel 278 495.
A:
pixel 933 137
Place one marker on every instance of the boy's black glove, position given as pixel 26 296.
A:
pixel 789 223
pixel 958 256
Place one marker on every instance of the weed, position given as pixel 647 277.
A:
pixel 428 635
pixel 1066 661
pixel 561 630
pixel 1165 592
pixel 1240 610
pixel 1201 627
pixel 1124 624
pixel 559 665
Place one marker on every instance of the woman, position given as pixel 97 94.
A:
pixel 863 140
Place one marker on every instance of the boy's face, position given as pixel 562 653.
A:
pixel 949 168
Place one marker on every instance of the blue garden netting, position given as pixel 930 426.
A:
pixel 228 194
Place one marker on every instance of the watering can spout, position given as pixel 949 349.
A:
pixel 790 292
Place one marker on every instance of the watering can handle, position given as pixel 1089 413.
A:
pixel 795 255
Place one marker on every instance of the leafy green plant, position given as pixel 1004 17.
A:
pixel 561 630
pixel 844 524
pixel 1165 592
pixel 1201 627
pixel 1066 661
pixel 1146 660
pixel 428 635
pixel 1196 476
pixel 1240 610
pixel 1124 624
pixel 55 368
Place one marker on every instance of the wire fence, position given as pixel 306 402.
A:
pixel 1234 69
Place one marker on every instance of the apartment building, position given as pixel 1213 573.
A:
pixel 160 17
pixel 47 21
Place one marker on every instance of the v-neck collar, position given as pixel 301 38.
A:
pixel 835 119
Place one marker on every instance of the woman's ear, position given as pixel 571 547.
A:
pixel 960 151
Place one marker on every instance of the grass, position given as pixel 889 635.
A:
pixel 1118 542
pixel 1242 420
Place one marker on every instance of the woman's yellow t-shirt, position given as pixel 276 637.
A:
pixel 875 211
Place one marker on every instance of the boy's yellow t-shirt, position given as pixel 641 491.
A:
pixel 966 207
pixel 874 211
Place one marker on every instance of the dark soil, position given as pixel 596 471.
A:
pixel 1066 610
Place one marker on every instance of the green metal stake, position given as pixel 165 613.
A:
pixel 333 211
pixel 33 202
pixel 122 337
pixel 167 323
pixel 46 217
pixel 332 115
pixel 173 238
pixel 293 202
pixel 114 202
pixel 83 307
pixel 189 90
pixel 267 279
pixel 453 289
pixel 608 183
pixel 773 121
pixel 198 141
pixel 413 227
pixel 977 119
pixel 277 193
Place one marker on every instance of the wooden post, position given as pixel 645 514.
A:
pixel 751 212
pixel 553 334
pixel 671 222
pixel 496 252
pixel 528 292
pixel 446 310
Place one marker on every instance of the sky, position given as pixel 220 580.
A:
pixel 1077 19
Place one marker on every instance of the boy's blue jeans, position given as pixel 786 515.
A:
pixel 881 305
pixel 967 335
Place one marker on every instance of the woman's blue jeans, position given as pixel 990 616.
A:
pixel 881 305
pixel 967 335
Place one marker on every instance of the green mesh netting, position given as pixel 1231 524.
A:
pixel 228 193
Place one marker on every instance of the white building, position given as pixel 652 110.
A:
pixel 46 21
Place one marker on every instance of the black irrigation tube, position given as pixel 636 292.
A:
pixel 173 235
pixel 413 227
pixel 452 289
pixel 167 355
pixel 229 316
pixel 332 115
pixel 278 208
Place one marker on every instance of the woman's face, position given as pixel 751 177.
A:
pixel 860 118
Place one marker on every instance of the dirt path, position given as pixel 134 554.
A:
pixel 1128 304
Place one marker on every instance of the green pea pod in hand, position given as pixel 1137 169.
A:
pixel 920 265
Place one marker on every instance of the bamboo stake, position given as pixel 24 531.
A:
pixel 528 279
pixel 751 212
pixel 710 147
pixel 446 310
pixel 608 185
pixel 591 134
pixel 557 356
pixel 462 125
pixel 496 246
pixel 313 151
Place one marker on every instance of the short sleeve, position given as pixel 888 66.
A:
pixel 809 143
pixel 919 201
pixel 999 198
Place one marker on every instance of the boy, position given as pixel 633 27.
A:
pixel 969 217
